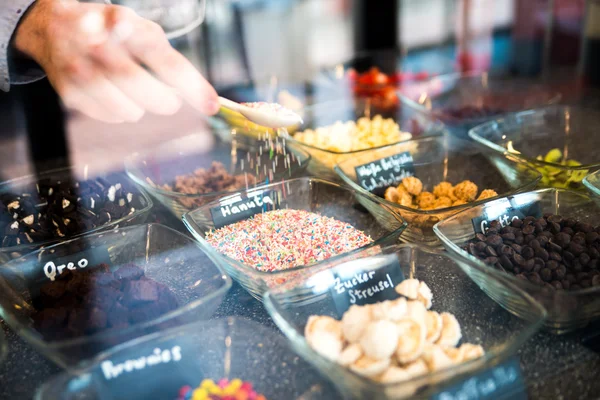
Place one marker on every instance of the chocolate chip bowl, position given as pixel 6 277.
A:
pixel 546 242
pixel 75 301
pixel 38 210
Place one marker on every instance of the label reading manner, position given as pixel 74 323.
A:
pixel 240 207
pixel 91 257
pixel 367 286
pixel 385 172
pixel 500 382
pixel 504 211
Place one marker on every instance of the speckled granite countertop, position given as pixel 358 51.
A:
pixel 554 367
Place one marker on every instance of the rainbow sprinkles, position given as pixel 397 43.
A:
pixel 282 239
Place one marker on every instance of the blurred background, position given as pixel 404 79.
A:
pixel 257 49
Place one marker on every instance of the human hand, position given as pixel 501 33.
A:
pixel 93 56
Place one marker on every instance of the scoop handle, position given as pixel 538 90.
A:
pixel 232 105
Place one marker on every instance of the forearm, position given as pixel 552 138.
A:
pixel 15 67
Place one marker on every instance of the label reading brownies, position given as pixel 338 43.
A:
pixel 155 370
pixel 366 281
pixel 500 382
pixel 505 211
pixel 239 207
pixel 377 175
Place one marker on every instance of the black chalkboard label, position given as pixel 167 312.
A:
pixel 385 172
pixel 242 206
pixel 366 281
pixel 500 382
pixel 135 375
pixel 504 211
pixel 53 267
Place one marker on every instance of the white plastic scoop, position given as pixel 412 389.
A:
pixel 271 115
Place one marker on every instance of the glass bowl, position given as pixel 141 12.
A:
pixel 230 348
pixel 530 135
pixel 375 76
pixel 3 347
pixel 193 276
pixel 29 184
pixel 437 159
pixel 258 162
pixel 482 320
pixel 592 183
pixel 324 160
pixel 309 194
pixel 567 310
pixel 465 100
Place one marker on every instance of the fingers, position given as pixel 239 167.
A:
pixel 135 82
pixel 149 45
pixel 75 99
pixel 94 61
pixel 84 77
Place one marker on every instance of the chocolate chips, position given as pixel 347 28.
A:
pixel 94 300
pixel 554 252
pixel 54 209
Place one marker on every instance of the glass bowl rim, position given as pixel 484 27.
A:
pixel 439 128
pixel 434 212
pixel 459 76
pixel 131 169
pixel 499 275
pixel 474 133
pixel 192 226
pixel 169 334
pixel 33 178
pixel 489 359
pixel 590 185
pixel 34 336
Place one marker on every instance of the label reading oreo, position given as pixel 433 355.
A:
pixel 243 206
pixel 380 174
pixel 366 281
pixel 500 382
pixel 54 267
pixel 505 211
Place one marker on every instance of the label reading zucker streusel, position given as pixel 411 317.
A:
pixel 366 281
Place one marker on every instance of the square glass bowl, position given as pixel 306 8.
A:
pixel 319 115
pixel 193 276
pixel 464 100
pixel 438 159
pixel 540 137
pixel 230 348
pixel 309 194
pixel 376 75
pixel 31 185
pixel 482 320
pixel 592 183
pixel 567 310
pixel 255 162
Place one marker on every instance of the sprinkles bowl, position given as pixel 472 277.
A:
pixel 225 349
pixel 285 230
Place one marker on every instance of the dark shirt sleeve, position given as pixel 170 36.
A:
pixel 14 70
